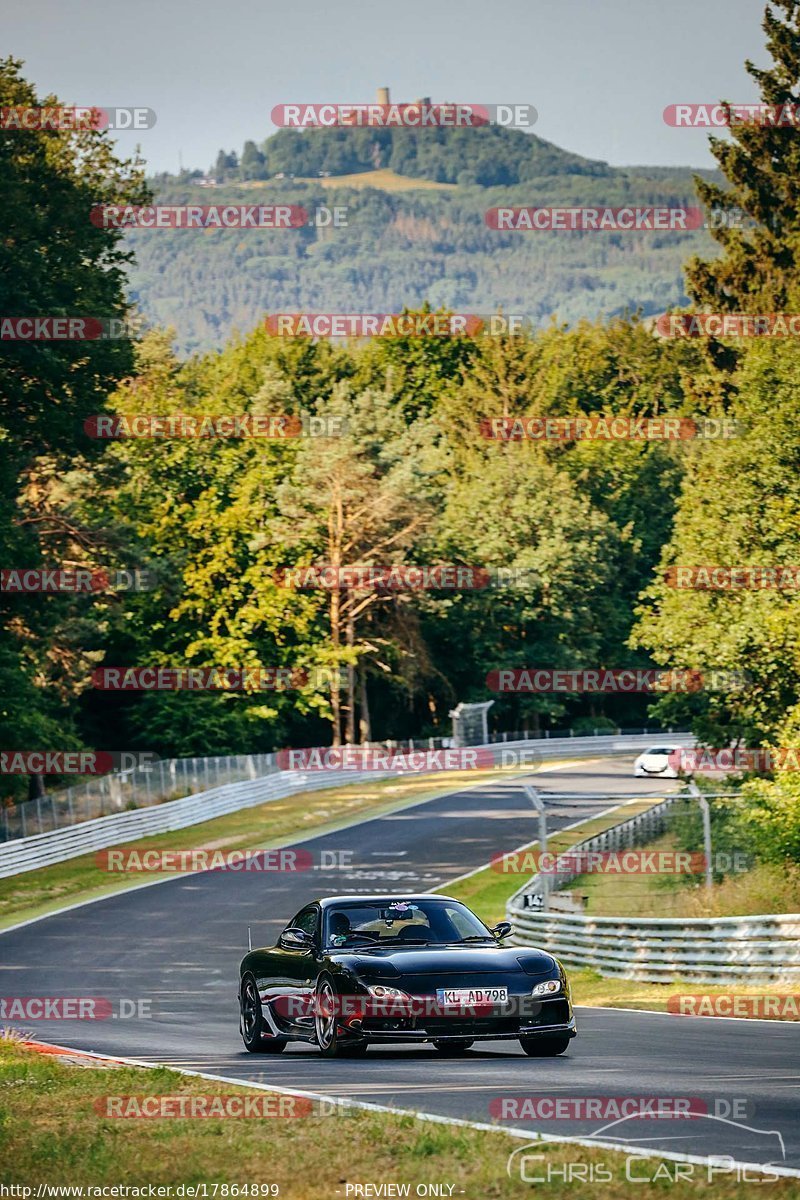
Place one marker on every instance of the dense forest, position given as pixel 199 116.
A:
pixel 408 247
pixel 593 526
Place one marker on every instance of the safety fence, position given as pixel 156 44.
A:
pixel 58 845
pixel 150 780
pixel 717 950
pixel 714 950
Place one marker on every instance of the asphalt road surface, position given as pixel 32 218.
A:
pixel 176 946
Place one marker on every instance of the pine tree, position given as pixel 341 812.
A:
pixel 759 226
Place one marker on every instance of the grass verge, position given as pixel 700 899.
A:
pixel 61 1135
pixel 589 987
pixel 765 888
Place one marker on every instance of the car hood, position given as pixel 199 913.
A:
pixel 394 962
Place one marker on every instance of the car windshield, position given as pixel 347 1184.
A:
pixel 660 750
pixel 402 922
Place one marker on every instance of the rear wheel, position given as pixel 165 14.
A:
pixel 544 1047
pixel 256 1039
pixel 454 1046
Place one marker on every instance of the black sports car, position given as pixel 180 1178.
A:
pixel 348 970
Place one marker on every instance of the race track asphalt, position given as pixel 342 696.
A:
pixel 176 947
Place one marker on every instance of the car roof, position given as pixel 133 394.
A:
pixel 401 897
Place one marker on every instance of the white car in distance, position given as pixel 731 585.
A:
pixel 660 762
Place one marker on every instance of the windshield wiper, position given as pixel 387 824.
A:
pixel 473 937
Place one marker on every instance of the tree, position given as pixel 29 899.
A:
pixel 252 162
pixel 758 269
pixel 53 262
pixel 359 499
pixel 739 507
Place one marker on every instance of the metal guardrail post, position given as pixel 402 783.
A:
pixel 538 804
pixel 705 809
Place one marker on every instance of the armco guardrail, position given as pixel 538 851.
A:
pixel 714 950
pixel 152 782
pixel 26 854
pixel 721 950
pixel 44 849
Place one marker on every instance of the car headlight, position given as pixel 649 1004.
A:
pixel 386 993
pixel 548 988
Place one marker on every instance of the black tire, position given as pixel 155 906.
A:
pixel 330 1043
pixel 354 1049
pixel 544 1047
pixel 456 1046
pixel 251 1022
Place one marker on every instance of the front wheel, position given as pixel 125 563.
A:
pixel 254 1036
pixel 544 1047
pixel 326 1025
pixel 454 1046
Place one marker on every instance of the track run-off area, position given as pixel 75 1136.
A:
pixel 168 954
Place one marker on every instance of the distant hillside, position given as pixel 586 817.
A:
pixel 486 157
pixel 403 247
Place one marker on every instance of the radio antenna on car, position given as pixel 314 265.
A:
pixel 249 939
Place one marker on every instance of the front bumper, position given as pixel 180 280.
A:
pixel 425 1035
pixel 525 1018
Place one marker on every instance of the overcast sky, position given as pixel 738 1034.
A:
pixel 599 72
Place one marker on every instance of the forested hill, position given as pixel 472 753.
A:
pixel 488 156
pixel 415 232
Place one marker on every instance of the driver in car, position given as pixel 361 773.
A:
pixel 339 928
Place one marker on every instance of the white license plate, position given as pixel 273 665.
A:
pixel 490 995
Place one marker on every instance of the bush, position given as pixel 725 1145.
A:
pixel 586 726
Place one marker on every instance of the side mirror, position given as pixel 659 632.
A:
pixel 296 939
pixel 501 930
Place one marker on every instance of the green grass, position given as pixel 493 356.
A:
pixel 54 1130
pixel 591 988
pixel 766 888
